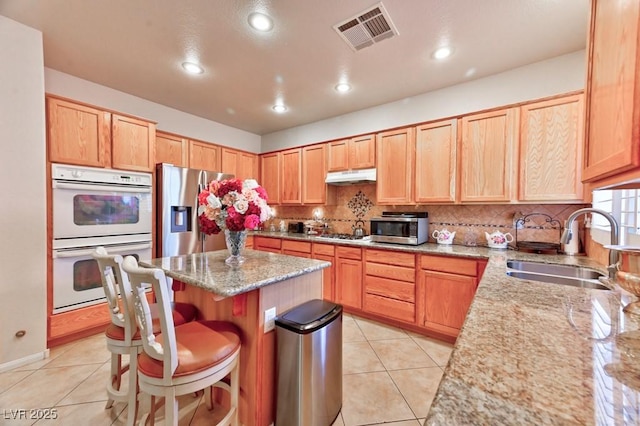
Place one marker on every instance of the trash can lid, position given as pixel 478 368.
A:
pixel 309 316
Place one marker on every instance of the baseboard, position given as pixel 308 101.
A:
pixel 24 361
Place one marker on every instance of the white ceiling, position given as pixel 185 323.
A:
pixel 137 46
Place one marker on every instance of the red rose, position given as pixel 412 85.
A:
pixel 262 193
pixel 202 197
pixel 229 185
pixel 207 226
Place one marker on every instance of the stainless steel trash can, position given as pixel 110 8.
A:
pixel 309 364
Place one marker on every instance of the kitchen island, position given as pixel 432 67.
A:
pixel 241 295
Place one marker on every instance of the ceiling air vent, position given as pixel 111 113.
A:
pixel 367 28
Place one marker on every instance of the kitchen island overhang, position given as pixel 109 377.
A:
pixel 241 295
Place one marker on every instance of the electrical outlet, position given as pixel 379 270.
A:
pixel 269 319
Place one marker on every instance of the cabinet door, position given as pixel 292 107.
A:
pixel 172 149
pixel 78 134
pixel 248 166
pixel 362 152
pixel 314 190
pixel 447 298
pixel 291 177
pixel 270 176
pixel 348 284
pixel 205 156
pixel 328 291
pixel 229 161
pixel 338 156
pixel 436 168
pixel 551 150
pixel 132 143
pixel 395 150
pixel 613 110
pixel 487 156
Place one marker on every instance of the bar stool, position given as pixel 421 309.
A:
pixel 184 358
pixel 123 337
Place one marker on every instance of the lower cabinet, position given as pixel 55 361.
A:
pixel 389 284
pixel 348 283
pixel 446 287
pixel 327 253
pixel 296 248
pixel 273 245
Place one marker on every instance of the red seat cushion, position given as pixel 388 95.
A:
pixel 200 344
pixel 181 312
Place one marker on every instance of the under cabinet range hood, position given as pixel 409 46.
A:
pixel 351 177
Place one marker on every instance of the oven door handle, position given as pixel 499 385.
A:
pixel 105 188
pixel 62 254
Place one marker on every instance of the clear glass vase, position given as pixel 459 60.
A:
pixel 235 244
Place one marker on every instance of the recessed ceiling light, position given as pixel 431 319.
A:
pixel 343 87
pixel 443 52
pixel 192 68
pixel 279 108
pixel 470 72
pixel 260 22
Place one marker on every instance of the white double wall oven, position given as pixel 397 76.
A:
pixel 95 207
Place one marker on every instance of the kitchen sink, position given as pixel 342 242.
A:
pixel 553 269
pixel 554 279
pixel 556 274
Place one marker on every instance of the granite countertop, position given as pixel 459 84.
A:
pixel 535 353
pixel 209 272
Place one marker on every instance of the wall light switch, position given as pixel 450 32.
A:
pixel 269 319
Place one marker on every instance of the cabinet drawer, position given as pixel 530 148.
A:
pixel 403 311
pixel 264 242
pixel 452 265
pixel 296 253
pixel 390 271
pixel 324 249
pixel 349 253
pixel 300 246
pixel 391 257
pixel 389 288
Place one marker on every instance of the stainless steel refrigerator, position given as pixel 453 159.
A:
pixel 177 209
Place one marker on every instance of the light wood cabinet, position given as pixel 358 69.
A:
pixel 273 245
pixel 326 252
pixel 297 248
pixel 78 134
pixel 436 162
pixel 291 180
pixel 88 136
pixel 314 171
pixel 132 143
pixel 612 143
pixel 396 153
pixel 487 156
pixel 203 155
pixel 270 165
pixel 446 287
pixel 348 283
pixel 389 284
pixel 172 149
pixel 551 138
pixel 242 165
pixel 350 154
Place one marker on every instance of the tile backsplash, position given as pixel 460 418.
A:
pixel 543 222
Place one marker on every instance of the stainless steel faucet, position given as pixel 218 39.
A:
pixel 613 254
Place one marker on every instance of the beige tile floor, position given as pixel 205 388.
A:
pixel 389 376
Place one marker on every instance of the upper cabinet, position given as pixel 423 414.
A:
pixel 351 154
pixel 243 165
pixel 612 143
pixel 314 171
pixel 172 149
pixel 204 155
pixel 436 168
pixel 88 136
pixel 78 134
pixel 291 179
pixel 132 143
pixel 396 153
pixel 487 156
pixel 551 137
pixel 270 165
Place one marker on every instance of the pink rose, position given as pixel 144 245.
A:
pixel 251 221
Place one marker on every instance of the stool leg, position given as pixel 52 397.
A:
pixel 170 407
pixel 114 379
pixel 132 400
pixel 235 390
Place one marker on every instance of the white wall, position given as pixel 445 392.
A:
pixel 546 78
pixel 22 187
pixel 168 119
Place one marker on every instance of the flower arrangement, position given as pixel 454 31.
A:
pixel 232 204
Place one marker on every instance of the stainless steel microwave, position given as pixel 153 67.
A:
pixel 410 228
